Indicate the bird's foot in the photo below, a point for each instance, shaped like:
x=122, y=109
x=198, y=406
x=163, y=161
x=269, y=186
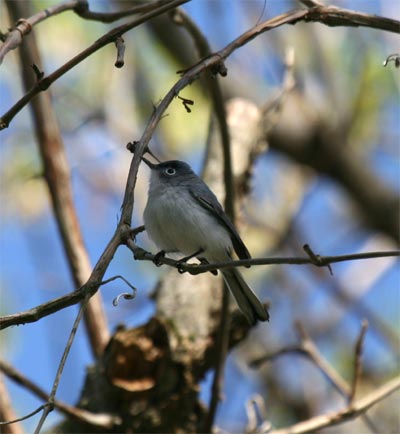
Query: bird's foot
x=185, y=259
x=157, y=257
x=205, y=262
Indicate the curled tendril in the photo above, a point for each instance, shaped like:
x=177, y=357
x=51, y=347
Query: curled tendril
x=125, y=296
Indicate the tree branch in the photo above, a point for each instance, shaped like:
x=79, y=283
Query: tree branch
x=58, y=179
x=106, y=39
x=307, y=348
x=100, y=420
x=327, y=15
x=7, y=411
x=49, y=406
x=81, y=7
x=359, y=407
x=333, y=16
x=24, y=25
x=53, y=306
x=323, y=261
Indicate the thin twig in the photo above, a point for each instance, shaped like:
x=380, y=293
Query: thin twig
x=106, y=39
x=100, y=420
x=120, y=44
x=327, y=15
x=108, y=17
x=307, y=348
x=50, y=401
x=81, y=7
x=204, y=50
x=328, y=420
x=24, y=25
x=357, y=361
x=222, y=351
x=27, y=416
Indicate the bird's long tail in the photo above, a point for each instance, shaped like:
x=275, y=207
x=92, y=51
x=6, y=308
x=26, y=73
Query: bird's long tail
x=247, y=301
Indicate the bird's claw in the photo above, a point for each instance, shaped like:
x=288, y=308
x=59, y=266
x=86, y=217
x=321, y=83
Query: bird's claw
x=179, y=266
x=157, y=257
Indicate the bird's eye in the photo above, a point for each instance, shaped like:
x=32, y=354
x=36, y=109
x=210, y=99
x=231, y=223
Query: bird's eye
x=170, y=171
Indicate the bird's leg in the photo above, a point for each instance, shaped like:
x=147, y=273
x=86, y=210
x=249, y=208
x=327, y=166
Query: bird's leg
x=157, y=256
x=186, y=258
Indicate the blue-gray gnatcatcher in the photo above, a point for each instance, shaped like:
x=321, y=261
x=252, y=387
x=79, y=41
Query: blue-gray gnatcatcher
x=183, y=215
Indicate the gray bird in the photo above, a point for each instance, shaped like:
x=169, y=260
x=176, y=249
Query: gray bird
x=183, y=215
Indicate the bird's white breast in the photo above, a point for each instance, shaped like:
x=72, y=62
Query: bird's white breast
x=176, y=222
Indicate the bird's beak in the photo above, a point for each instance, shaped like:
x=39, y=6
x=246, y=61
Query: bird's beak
x=149, y=163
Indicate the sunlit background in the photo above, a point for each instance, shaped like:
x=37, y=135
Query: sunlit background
x=339, y=72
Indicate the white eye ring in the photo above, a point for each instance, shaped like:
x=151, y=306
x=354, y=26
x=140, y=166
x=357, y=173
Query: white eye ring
x=170, y=171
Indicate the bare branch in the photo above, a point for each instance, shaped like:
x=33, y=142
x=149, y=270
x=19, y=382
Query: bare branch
x=7, y=412
x=100, y=420
x=222, y=351
x=333, y=16
x=24, y=25
x=82, y=9
x=48, y=408
x=359, y=407
x=143, y=255
x=308, y=348
x=357, y=360
x=53, y=306
x=204, y=50
x=106, y=39
x=27, y=416
x=48, y=308
x=330, y=16
x=120, y=44
x=58, y=179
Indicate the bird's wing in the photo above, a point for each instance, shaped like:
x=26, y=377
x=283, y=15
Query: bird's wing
x=214, y=207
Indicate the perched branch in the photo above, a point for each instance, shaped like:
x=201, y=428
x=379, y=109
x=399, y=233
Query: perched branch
x=323, y=261
x=90, y=287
